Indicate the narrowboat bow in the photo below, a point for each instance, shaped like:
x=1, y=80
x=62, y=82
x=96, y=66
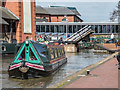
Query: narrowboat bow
x=34, y=59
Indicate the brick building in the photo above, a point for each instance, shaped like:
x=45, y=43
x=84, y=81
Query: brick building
x=25, y=22
x=57, y=14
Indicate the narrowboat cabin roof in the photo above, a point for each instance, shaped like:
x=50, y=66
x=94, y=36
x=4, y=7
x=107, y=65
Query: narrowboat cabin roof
x=38, y=50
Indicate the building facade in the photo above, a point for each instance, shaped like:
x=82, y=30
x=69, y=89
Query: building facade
x=99, y=28
x=26, y=23
x=57, y=14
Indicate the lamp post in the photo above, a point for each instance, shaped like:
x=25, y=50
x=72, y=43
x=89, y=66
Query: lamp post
x=66, y=27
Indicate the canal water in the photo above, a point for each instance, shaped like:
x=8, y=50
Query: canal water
x=76, y=62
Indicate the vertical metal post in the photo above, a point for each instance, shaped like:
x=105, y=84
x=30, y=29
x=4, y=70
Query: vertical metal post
x=11, y=29
x=66, y=29
x=72, y=29
x=5, y=32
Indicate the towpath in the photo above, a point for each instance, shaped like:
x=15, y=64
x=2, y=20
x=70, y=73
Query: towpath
x=106, y=75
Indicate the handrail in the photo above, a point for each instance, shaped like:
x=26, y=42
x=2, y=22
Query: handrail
x=79, y=34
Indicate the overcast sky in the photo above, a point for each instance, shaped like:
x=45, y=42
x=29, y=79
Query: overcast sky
x=77, y=0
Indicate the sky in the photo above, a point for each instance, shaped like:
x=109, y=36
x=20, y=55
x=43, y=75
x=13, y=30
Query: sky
x=77, y=0
x=90, y=11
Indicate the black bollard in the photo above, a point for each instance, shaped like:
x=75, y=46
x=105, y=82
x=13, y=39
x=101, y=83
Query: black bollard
x=88, y=72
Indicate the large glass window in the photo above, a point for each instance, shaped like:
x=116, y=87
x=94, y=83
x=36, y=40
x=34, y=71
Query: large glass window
x=100, y=29
x=61, y=29
x=42, y=28
x=52, y=28
x=112, y=28
x=74, y=28
x=119, y=29
x=47, y=28
x=56, y=28
x=79, y=27
x=70, y=29
x=83, y=26
x=96, y=28
x=108, y=29
x=64, y=28
x=104, y=29
x=37, y=28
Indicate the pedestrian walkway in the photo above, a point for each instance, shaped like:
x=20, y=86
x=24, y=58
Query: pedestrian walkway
x=110, y=46
x=104, y=76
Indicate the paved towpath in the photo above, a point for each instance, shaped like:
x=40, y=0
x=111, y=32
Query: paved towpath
x=106, y=75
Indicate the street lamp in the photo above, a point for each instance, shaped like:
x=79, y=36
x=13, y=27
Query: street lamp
x=66, y=21
x=66, y=27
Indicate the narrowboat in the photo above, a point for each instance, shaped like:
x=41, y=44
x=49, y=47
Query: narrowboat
x=34, y=59
x=7, y=48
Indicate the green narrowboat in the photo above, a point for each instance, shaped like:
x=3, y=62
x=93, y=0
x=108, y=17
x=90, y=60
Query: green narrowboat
x=34, y=59
x=7, y=48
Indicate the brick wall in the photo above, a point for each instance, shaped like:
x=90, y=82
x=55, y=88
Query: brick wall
x=42, y=16
x=58, y=18
x=17, y=9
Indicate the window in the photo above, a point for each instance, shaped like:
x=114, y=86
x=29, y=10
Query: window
x=31, y=55
x=70, y=29
x=42, y=28
x=22, y=55
x=37, y=28
x=59, y=54
x=52, y=28
x=52, y=53
x=56, y=54
x=63, y=52
x=47, y=28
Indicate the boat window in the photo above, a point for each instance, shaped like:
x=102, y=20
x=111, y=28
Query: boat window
x=31, y=55
x=3, y=48
x=56, y=54
x=59, y=52
x=22, y=55
x=52, y=53
x=63, y=52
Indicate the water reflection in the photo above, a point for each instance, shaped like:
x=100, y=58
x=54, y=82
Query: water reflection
x=76, y=61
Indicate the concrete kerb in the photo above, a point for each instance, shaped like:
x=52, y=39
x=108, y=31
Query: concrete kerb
x=74, y=76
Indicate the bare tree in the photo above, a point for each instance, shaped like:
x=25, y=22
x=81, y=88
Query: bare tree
x=119, y=12
x=116, y=14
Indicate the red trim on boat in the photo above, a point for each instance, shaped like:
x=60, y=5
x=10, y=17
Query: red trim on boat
x=35, y=66
x=59, y=59
x=15, y=66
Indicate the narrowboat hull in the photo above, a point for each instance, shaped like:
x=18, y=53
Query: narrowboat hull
x=34, y=59
x=7, y=48
x=30, y=70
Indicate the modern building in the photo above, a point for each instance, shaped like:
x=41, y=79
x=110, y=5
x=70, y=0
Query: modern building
x=20, y=18
x=57, y=14
x=99, y=28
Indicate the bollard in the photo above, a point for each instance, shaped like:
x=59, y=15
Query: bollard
x=88, y=72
